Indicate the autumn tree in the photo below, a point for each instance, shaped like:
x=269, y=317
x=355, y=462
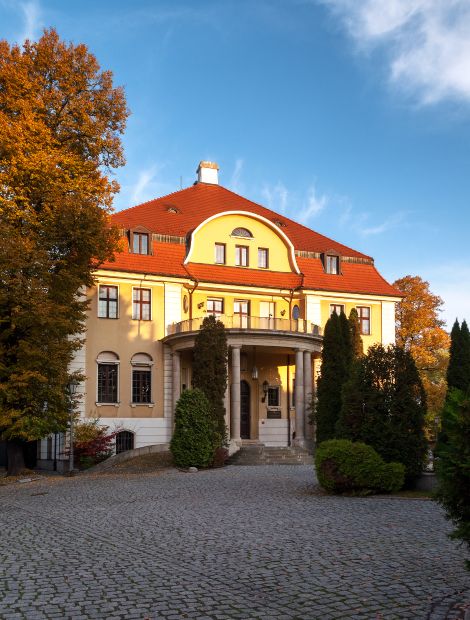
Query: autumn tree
x=210, y=356
x=420, y=331
x=60, y=125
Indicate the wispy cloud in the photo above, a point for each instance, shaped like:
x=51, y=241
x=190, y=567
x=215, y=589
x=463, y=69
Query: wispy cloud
x=315, y=205
x=427, y=42
x=391, y=222
x=32, y=20
x=235, y=184
x=276, y=196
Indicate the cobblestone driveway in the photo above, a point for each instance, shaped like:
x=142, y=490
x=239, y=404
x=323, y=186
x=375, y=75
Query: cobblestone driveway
x=242, y=542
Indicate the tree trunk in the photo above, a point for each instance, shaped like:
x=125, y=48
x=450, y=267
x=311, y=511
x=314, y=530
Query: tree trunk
x=15, y=458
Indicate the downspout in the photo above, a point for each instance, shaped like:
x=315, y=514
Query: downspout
x=191, y=291
x=288, y=401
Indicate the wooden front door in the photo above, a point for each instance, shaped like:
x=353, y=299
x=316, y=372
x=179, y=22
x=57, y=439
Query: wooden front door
x=244, y=410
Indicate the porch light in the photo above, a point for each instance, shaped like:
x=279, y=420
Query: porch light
x=254, y=373
x=200, y=305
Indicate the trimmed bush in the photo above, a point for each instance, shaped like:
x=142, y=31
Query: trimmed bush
x=195, y=438
x=347, y=467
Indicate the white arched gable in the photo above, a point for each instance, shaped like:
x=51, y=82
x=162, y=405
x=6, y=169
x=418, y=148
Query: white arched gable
x=255, y=216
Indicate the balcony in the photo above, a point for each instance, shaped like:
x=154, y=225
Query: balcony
x=250, y=324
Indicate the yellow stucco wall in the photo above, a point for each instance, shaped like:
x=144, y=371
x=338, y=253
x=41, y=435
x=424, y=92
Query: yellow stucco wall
x=219, y=230
x=375, y=335
x=125, y=337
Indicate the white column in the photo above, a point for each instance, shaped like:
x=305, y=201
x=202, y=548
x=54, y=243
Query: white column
x=307, y=389
x=235, y=400
x=299, y=396
x=176, y=378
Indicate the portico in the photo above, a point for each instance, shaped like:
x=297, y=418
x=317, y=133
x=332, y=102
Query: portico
x=269, y=382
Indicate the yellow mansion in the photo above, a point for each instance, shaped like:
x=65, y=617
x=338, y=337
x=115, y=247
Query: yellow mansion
x=271, y=281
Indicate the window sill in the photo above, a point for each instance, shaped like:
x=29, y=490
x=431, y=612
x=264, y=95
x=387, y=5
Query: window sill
x=107, y=404
x=142, y=404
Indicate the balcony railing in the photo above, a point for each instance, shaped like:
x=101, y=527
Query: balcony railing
x=237, y=321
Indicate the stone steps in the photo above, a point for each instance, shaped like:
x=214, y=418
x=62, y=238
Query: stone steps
x=262, y=455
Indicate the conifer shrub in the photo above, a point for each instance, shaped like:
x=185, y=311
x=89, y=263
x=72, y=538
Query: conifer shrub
x=195, y=438
x=347, y=467
x=384, y=406
x=453, y=464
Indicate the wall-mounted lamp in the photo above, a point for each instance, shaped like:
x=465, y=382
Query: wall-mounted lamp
x=283, y=312
x=265, y=390
x=200, y=305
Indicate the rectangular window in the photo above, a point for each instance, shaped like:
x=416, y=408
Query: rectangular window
x=215, y=306
x=364, y=319
x=107, y=383
x=141, y=386
x=274, y=397
x=263, y=258
x=140, y=243
x=338, y=308
x=108, y=302
x=220, y=253
x=141, y=304
x=332, y=264
x=241, y=255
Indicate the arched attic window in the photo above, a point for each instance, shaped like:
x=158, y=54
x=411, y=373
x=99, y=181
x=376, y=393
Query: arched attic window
x=242, y=232
x=331, y=262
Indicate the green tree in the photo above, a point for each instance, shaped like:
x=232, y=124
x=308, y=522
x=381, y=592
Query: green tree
x=210, y=369
x=453, y=466
x=60, y=125
x=384, y=405
x=335, y=369
x=458, y=371
x=192, y=444
x=355, y=329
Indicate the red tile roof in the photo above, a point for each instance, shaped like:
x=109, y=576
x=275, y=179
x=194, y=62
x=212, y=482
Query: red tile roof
x=354, y=278
x=195, y=204
x=198, y=202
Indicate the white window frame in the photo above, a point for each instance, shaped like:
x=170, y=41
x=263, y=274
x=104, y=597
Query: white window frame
x=265, y=252
x=224, y=247
x=117, y=362
x=148, y=367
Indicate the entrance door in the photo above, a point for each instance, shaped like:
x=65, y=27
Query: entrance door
x=244, y=410
x=241, y=311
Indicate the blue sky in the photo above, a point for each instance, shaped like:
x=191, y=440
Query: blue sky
x=351, y=116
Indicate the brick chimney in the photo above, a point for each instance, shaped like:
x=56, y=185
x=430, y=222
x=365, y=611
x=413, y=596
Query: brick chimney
x=208, y=172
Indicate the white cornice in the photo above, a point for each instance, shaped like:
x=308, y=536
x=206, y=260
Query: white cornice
x=255, y=216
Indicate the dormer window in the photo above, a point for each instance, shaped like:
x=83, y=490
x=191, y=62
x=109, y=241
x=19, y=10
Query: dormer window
x=242, y=232
x=140, y=241
x=332, y=263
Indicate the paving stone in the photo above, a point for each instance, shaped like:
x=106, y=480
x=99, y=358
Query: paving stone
x=233, y=543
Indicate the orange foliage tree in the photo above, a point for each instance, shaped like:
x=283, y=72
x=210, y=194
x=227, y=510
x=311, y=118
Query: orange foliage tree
x=61, y=120
x=420, y=331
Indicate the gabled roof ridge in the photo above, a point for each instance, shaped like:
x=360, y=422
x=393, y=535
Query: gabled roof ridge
x=146, y=202
x=288, y=219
